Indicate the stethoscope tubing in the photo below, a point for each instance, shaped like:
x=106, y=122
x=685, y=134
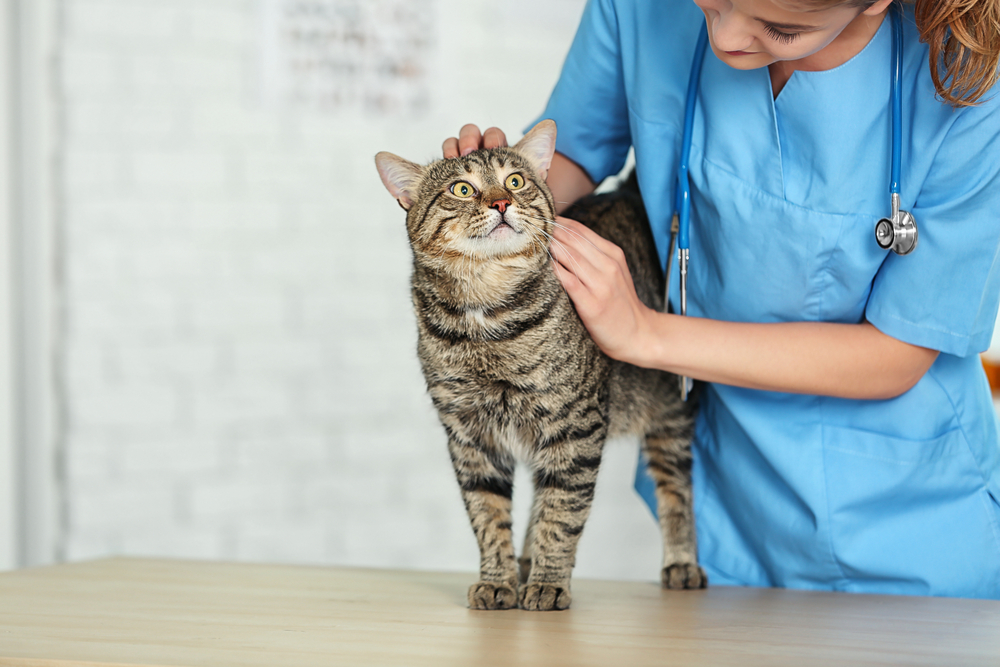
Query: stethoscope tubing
x=682, y=202
x=681, y=220
x=896, y=96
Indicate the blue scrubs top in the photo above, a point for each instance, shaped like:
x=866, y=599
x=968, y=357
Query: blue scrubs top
x=887, y=496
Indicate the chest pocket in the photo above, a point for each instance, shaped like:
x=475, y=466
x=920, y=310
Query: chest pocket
x=757, y=257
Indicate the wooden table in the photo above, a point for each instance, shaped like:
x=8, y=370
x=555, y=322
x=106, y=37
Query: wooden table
x=158, y=612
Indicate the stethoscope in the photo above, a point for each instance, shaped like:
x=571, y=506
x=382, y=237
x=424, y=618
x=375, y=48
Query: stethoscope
x=897, y=232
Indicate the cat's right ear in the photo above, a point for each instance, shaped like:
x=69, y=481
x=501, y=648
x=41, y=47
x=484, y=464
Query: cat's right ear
x=538, y=145
x=400, y=177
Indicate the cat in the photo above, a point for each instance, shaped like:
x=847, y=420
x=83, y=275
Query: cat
x=514, y=374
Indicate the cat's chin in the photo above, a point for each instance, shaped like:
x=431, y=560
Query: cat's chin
x=501, y=242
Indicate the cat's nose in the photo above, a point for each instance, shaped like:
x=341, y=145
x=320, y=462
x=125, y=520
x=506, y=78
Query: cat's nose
x=501, y=205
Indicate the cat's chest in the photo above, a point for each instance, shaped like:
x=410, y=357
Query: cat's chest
x=477, y=320
x=484, y=361
x=513, y=346
x=524, y=370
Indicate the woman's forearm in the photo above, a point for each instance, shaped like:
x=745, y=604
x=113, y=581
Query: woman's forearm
x=567, y=181
x=844, y=360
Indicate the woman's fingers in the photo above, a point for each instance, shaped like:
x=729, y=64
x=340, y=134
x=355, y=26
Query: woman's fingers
x=494, y=138
x=590, y=255
x=450, y=148
x=581, y=236
x=565, y=249
x=594, y=273
x=469, y=139
x=564, y=258
x=569, y=281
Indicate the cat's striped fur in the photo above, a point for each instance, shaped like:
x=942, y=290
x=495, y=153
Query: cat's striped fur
x=514, y=374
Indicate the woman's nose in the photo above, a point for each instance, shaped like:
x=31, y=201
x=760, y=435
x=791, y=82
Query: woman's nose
x=729, y=33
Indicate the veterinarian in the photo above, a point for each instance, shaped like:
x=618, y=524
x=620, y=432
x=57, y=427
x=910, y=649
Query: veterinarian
x=846, y=438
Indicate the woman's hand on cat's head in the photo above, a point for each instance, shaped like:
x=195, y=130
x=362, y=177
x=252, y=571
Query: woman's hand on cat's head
x=471, y=139
x=594, y=273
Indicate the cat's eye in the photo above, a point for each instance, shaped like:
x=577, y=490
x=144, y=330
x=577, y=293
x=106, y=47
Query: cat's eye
x=514, y=182
x=463, y=190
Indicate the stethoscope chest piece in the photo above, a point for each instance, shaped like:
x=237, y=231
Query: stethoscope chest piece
x=898, y=233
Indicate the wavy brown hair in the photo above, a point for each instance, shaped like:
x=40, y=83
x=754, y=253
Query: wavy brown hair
x=964, y=41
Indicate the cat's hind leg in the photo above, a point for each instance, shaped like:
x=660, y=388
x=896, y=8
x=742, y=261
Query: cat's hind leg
x=486, y=480
x=669, y=463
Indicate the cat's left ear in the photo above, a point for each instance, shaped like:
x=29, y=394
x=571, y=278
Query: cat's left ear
x=400, y=177
x=538, y=146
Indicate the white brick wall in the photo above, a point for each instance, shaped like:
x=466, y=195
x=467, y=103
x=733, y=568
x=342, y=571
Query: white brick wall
x=240, y=375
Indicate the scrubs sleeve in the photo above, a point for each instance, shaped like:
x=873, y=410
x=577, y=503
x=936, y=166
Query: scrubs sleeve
x=944, y=295
x=589, y=104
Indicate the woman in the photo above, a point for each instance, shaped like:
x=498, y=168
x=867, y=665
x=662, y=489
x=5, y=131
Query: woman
x=846, y=438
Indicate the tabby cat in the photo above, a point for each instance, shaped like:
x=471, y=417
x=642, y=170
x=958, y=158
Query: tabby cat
x=514, y=374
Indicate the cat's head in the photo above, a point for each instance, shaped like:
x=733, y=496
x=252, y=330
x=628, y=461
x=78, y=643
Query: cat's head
x=487, y=205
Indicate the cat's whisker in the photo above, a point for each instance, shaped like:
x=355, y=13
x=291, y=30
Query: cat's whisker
x=575, y=233
x=539, y=237
x=544, y=241
x=547, y=247
x=538, y=228
x=572, y=258
x=555, y=223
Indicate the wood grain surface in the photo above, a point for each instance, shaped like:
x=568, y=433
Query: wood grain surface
x=157, y=612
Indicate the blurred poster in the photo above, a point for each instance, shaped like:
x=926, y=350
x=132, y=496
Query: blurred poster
x=360, y=55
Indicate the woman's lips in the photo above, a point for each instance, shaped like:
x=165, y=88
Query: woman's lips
x=739, y=53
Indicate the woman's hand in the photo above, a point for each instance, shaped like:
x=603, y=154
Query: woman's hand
x=594, y=273
x=470, y=139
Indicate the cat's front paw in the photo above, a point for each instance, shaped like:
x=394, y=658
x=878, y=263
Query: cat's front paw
x=544, y=597
x=492, y=595
x=684, y=575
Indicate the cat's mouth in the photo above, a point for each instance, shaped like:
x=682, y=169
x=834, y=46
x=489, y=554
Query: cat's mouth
x=500, y=230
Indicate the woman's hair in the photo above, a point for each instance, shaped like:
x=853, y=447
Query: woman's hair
x=964, y=40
